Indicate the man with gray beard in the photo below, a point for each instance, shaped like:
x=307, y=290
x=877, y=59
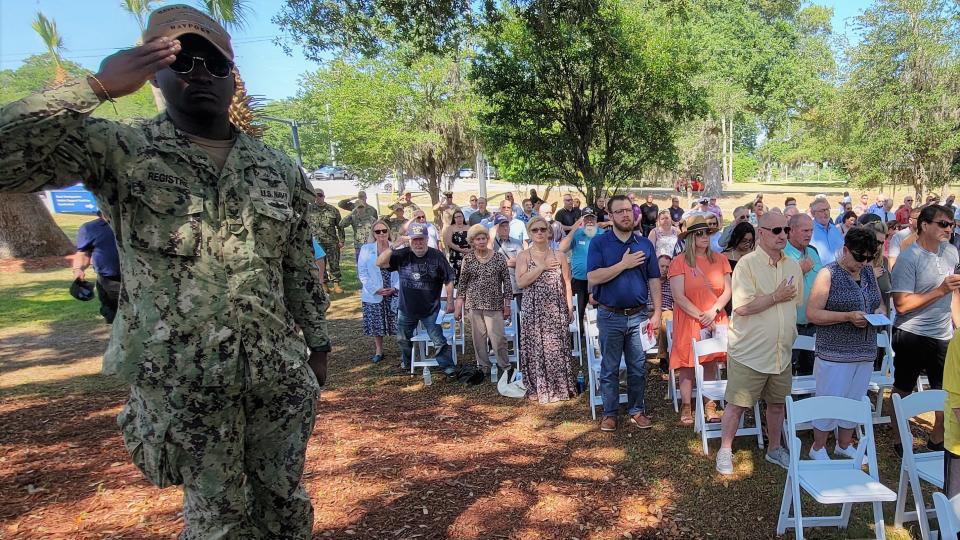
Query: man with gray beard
x=424, y=274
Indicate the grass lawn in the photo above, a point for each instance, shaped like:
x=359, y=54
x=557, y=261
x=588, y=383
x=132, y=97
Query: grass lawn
x=388, y=458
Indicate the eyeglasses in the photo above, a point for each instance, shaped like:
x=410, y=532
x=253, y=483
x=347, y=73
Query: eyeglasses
x=778, y=230
x=321, y=195
x=862, y=257
x=536, y=230
x=701, y=233
x=216, y=67
x=944, y=224
x=746, y=241
x=421, y=217
x=622, y=211
x=380, y=231
x=743, y=218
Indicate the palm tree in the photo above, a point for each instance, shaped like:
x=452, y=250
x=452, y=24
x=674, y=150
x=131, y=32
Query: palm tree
x=140, y=9
x=47, y=30
x=245, y=109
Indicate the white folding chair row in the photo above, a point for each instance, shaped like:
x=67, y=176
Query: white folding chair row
x=948, y=515
x=914, y=467
x=594, y=360
x=576, y=333
x=715, y=391
x=880, y=380
x=837, y=481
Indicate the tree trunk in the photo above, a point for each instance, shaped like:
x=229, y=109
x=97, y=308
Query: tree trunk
x=27, y=229
x=712, y=174
x=723, y=148
x=730, y=153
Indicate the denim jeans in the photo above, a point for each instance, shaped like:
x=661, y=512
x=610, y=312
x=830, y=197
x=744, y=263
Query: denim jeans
x=407, y=327
x=620, y=335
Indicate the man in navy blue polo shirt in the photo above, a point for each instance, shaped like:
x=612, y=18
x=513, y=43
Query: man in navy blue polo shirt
x=96, y=243
x=622, y=269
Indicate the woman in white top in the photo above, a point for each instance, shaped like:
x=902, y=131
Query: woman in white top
x=379, y=288
x=664, y=235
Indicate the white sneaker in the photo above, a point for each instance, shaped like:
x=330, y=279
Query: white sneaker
x=849, y=453
x=725, y=461
x=819, y=455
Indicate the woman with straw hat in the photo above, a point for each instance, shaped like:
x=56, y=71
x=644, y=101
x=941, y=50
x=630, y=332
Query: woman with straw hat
x=701, y=285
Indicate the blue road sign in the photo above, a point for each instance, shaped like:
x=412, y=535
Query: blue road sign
x=73, y=200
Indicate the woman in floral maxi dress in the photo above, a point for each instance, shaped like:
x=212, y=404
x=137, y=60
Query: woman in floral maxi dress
x=545, y=309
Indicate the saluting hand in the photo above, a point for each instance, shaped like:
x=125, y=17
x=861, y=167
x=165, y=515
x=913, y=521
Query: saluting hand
x=125, y=72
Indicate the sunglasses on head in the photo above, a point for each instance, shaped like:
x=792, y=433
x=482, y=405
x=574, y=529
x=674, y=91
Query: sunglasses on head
x=862, y=257
x=221, y=68
x=778, y=230
x=380, y=231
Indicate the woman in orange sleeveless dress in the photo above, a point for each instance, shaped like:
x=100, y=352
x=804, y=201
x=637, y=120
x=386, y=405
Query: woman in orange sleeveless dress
x=701, y=285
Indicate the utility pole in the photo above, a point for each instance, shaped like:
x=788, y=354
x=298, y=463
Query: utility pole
x=294, y=133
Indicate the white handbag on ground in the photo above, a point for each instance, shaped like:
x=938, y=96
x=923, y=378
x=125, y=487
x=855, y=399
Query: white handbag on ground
x=515, y=389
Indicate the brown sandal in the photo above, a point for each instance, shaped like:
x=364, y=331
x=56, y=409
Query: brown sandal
x=686, y=414
x=710, y=411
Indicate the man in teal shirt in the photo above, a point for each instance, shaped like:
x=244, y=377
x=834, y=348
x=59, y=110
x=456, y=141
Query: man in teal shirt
x=799, y=249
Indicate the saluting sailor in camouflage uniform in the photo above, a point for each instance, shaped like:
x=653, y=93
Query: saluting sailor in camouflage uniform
x=361, y=219
x=324, y=221
x=217, y=271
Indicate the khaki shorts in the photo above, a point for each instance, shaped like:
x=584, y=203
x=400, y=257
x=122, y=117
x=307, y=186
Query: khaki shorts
x=746, y=385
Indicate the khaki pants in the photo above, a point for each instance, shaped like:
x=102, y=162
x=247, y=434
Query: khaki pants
x=488, y=324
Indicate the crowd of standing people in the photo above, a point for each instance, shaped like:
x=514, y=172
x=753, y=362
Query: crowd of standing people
x=762, y=279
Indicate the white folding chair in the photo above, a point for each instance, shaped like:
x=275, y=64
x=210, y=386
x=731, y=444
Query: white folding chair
x=673, y=387
x=513, y=341
x=423, y=344
x=594, y=360
x=926, y=466
x=576, y=334
x=804, y=385
x=882, y=379
x=715, y=390
x=948, y=515
x=837, y=481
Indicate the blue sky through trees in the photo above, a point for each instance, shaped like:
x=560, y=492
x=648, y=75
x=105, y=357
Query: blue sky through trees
x=93, y=29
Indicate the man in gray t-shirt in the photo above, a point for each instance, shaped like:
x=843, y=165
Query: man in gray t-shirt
x=924, y=284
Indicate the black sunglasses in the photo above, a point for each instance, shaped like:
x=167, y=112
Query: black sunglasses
x=944, y=224
x=862, y=257
x=701, y=233
x=778, y=230
x=216, y=67
x=380, y=231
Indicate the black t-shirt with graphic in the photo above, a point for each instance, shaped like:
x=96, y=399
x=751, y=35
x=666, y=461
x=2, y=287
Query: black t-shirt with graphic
x=421, y=280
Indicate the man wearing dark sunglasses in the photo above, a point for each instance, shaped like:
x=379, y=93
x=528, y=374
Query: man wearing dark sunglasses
x=217, y=270
x=924, y=284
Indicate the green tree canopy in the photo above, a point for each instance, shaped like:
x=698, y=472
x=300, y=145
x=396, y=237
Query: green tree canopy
x=390, y=114
x=586, y=92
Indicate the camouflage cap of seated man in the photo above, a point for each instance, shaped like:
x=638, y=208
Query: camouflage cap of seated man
x=178, y=19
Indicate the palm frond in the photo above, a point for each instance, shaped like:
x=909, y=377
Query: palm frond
x=140, y=9
x=230, y=13
x=47, y=30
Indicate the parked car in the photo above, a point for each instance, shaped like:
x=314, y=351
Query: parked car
x=329, y=173
x=465, y=173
